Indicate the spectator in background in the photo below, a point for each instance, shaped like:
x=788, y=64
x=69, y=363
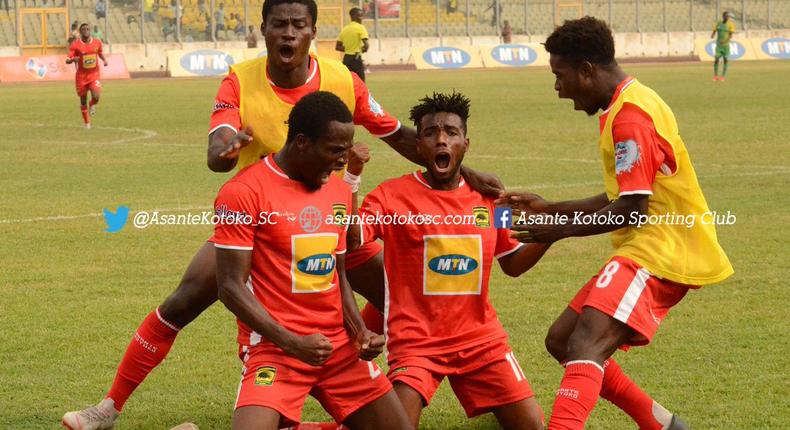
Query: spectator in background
x=452, y=6
x=239, y=28
x=252, y=39
x=507, y=33
x=353, y=41
x=148, y=11
x=100, y=9
x=97, y=34
x=231, y=22
x=219, y=20
x=494, y=14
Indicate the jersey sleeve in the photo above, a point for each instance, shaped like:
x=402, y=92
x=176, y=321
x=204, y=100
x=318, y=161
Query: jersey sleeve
x=369, y=113
x=639, y=151
x=73, y=50
x=226, y=105
x=363, y=32
x=731, y=26
x=99, y=47
x=372, y=209
x=236, y=215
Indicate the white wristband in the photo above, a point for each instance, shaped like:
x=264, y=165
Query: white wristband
x=352, y=180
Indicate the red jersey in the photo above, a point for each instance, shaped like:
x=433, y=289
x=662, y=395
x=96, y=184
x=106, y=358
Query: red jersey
x=638, y=162
x=367, y=112
x=294, y=247
x=436, y=298
x=87, y=59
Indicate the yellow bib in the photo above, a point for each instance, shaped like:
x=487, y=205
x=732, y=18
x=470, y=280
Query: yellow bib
x=672, y=251
x=261, y=108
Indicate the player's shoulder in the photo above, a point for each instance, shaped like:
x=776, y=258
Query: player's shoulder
x=248, y=64
x=252, y=176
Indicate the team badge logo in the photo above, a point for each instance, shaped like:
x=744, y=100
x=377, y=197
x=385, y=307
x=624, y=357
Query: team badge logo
x=310, y=219
x=265, y=375
x=482, y=216
x=626, y=155
x=339, y=213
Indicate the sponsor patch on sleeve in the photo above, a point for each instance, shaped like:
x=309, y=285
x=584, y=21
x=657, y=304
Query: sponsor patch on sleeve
x=626, y=156
x=375, y=107
x=224, y=106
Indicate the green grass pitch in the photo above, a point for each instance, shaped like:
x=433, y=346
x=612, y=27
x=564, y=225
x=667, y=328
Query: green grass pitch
x=73, y=294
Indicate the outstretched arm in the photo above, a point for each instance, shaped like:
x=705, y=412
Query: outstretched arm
x=619, y=213
x=224, y=145
x=518, y=262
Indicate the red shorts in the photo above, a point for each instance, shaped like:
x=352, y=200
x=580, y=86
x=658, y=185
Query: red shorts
x=628, y=293
x=361, y=255
x=84, y=86
x=483, y=377
x=342, y=385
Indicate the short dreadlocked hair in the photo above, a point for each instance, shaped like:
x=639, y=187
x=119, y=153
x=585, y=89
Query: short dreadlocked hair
x=583, y=39
x=455, y=102
x=312, y=114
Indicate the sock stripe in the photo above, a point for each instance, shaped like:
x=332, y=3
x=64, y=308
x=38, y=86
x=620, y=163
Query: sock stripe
x=165, y=322
x=585, y=362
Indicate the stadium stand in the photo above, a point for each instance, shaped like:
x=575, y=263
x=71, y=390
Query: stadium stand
x=418, y=18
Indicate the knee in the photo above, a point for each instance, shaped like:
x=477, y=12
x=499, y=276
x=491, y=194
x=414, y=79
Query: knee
x=556, y=345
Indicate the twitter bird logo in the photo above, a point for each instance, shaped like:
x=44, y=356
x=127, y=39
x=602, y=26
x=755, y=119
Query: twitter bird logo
x=116, y=221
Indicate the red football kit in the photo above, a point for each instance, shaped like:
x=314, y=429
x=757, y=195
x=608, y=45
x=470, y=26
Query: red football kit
x=620, y=278
x=367, y=113
x=87, y=60
x=438, y=318
x=294, y=245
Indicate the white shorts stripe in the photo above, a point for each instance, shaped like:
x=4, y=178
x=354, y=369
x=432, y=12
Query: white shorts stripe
x=513, y=365
x=631, y=296
x=520, y=370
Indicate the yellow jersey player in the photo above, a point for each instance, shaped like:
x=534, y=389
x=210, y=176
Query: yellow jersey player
x=647, y=173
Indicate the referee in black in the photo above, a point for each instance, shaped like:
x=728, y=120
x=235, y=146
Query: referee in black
x=352, y=42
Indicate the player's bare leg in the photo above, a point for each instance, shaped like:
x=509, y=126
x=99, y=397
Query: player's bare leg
x=84, y=110
x=522, y=415
x=617, y=387
x=95, y=95
x=158, y=331
x=256, y=418
x=411, y=401
x=384, y=413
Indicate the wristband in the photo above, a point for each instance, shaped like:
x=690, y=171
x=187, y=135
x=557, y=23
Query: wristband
x=352, y=180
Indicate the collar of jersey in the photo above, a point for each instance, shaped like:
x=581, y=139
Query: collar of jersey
x=269, y=161
x=312, y=68
x=620, y=88
x=418, y=176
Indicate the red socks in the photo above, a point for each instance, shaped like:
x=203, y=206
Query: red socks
x=318, y=426
x=577, y=395
x=149, y=346
x=85, y=117
x=374, y=320
x=619, y=389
